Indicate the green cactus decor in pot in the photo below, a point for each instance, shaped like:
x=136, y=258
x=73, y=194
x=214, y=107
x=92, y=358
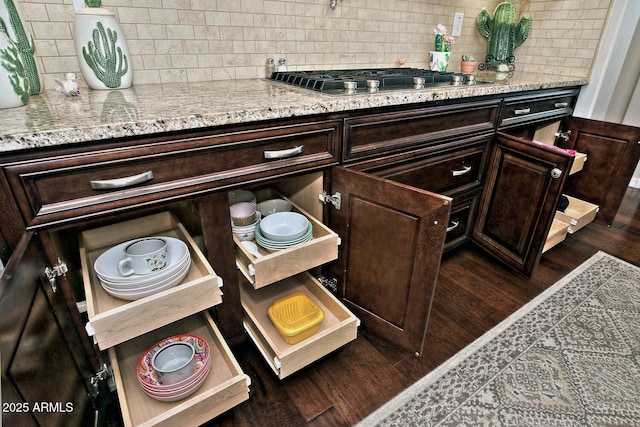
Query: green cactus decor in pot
x=14, y=84
x=101, y=48
x=502, y=32
x=11, y=25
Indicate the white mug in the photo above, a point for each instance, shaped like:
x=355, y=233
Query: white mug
x=144, y=256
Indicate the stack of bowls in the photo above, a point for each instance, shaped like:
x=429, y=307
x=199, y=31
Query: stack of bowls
x=169, y=374
x=238, y=196
x=283, y=230
x=136, y=286
x=244, y=220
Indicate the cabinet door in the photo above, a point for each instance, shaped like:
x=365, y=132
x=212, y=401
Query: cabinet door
x=613, y=151
x=523, y=185
x=392, y=238
x=43, y=365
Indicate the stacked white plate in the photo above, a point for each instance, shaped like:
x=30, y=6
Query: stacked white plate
x=172, y=392
x=137, y=286
x=283, y=230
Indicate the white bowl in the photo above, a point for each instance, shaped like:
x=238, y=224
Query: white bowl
x=284, y=226
x=105, y=265
x=242, y=213
x=237, y=196
x=174, y=362
x=272, y=206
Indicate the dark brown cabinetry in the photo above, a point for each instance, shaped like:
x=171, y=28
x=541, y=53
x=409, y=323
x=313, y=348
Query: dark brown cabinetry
x=613, y=151
x=525, y=179
x=46, y=374
x=411, y=181
x=522, y=188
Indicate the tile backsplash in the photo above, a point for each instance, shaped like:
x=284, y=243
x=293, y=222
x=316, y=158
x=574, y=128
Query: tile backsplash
x=204, y=40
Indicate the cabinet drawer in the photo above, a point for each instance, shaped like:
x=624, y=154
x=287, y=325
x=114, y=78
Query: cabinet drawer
x=453, y=171
x=95, y=182
x=578, y=214
x=226, y=385
x=524, y=109
x=338, y=328
x=273, y=266
x=392, y=132
x=460, y=221
x=113, y=320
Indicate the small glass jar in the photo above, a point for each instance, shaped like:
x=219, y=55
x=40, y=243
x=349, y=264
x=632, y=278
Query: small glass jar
x=270, y=67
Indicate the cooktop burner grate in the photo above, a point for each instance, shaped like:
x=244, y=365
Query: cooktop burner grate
x=341, y=81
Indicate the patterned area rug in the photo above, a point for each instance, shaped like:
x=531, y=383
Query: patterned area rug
x=571, y=357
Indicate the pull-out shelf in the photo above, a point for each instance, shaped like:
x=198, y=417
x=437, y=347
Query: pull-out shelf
x=113, y=320
x=338, y=328
x=273, y=266
x=225, y=386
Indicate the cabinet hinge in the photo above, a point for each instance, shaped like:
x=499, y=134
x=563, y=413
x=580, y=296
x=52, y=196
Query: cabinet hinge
x=102, y=375
x=335, y=200
x=52, y=273
x=331, y=284
x=564, y=135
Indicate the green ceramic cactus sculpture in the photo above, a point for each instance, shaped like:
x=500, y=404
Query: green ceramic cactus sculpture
x=502, y=32
x=105, y=59
x=10, y=60
x=25, y=46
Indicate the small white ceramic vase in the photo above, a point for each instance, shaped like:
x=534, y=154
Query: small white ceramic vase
x=101, y=49
x=439, y=61
x=14, y=86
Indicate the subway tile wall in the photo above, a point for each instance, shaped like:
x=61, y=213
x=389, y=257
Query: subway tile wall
x=204, y=40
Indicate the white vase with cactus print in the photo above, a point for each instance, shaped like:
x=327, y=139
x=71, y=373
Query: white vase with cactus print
x=14, y=85
x=12, y=25
x=101, y=49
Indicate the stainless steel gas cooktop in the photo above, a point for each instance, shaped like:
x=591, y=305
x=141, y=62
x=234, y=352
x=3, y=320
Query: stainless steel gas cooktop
x=347, y=82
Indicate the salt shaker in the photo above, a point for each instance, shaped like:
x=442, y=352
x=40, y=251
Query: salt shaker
x=282, y=64
x=271, y=67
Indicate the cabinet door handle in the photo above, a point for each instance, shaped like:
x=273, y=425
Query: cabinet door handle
x=522, y=111
x=561, y=104
x=453, y=226
x=283, y=154
x=126, y=181
x=556, y=173
x=463, y=171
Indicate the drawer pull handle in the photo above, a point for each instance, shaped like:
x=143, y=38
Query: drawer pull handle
x=561, y=104
x=283, y=154
x=453, y=226
x=522, y=111
x=127, y=181
x=463, y=171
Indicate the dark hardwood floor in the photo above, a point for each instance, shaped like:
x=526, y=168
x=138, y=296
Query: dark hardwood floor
x=473, y=294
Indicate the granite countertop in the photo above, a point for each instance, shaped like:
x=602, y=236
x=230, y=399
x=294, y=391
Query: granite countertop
x=51, y=118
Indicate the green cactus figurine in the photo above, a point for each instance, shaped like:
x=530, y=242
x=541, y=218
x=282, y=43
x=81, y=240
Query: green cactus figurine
x=105, y=59
x=502, y=33
x=25, y=46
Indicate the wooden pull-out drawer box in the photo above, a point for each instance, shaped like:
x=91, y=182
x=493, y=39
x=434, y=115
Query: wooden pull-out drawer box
x=113, y=320
x=557, y=234
x=271, y=267
x=225, y=386
x=338, y=328
x=578, y=214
